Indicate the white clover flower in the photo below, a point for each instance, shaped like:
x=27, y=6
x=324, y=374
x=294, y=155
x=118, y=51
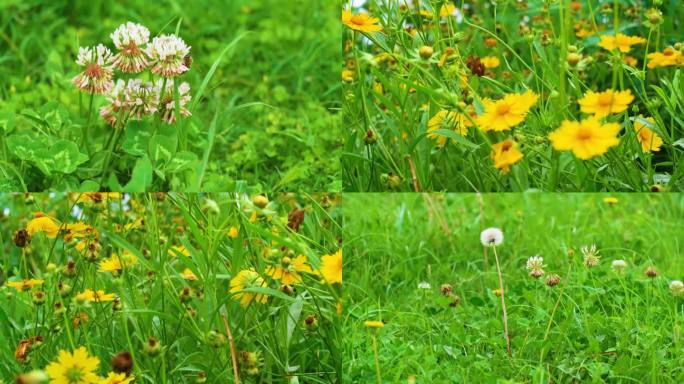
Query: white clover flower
x=591, y=257
x=97, y=75
x=424, y=285
x=491, y=237
x=141, y=98
x=677, y=287
x=168, y=103
x=619, y=265
x=129, y=38
x=116, y=102
x=535, y=265
x=167, y=54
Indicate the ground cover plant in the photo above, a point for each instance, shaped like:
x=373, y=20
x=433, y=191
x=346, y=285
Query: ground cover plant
x=144, y=96
x=178, y=288
x=556, y=95
x=591, y=286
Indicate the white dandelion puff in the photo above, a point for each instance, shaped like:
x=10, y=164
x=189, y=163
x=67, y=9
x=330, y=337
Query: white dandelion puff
x=491, y=237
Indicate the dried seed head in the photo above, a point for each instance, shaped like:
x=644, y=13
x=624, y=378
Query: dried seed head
x=122, y=362
x=651, y=272
x=21, y=238
x=446, y=289
x=552, y=280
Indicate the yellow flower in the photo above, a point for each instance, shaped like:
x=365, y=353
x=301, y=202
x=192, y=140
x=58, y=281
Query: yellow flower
x=99, y=197
x=667, y=58
x=76, y=368
x=24, y=285
x=505, y=154
x=490, y=61
x=233, y=232
x=506, y=113
x=331, y=267
x=98, y=297
x=347, y=76
x=602, y=104
x=42, y=223
x=116, y=263
x=497, y=292
x=631, y=61
x=373, y=324
x=447, y=120
x=117, y=378
x=188, y=275
x=247, y=278
x=610, y=200
x=360, y=22
x=586, y=139
x=288, y=270
x=620, y=41
x=137, y=223
x=447, y=10
x=649, y=140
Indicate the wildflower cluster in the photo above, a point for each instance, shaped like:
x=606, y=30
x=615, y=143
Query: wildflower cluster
x=133, y=98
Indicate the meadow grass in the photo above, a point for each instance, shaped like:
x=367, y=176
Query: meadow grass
x=262, y=81
x=429, y=56
x=179, y=256
x=596, y=325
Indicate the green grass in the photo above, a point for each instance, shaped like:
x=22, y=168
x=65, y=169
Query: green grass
x=395, y=98
x=150, y=291
x=607, y=328
x=263, y=82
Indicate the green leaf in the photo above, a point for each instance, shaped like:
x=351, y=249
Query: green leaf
x=141, y=179
x=162, y=149
x=456, y=137
x=25, y=147
x=62, y=157
x=136, y=138
x=181, y=161
x=269, y=292
x=7, y=121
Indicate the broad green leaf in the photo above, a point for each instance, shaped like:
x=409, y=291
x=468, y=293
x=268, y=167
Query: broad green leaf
x=136, y=138
x=162, y=149
x=141, y=179
x=181, y=161
x=62, y=157
x=7, y=121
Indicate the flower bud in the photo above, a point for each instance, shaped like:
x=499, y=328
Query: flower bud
x=260, y=201
x=311, y=323
x=152, y=347
x=215, y=339
x=426, y=52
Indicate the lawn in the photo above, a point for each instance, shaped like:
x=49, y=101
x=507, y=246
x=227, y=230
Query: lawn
x=419, y=268
x=260, y=113
x=491, y=96
x=170, y=288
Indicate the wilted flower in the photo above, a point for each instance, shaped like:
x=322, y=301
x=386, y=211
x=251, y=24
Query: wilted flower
x=491, y=237
x=168, y=103
x=591, y=258
x=129, y=38
x=97, y=76
x=535, y=265
x=552, y=280
x=167, y=55
x=677, y=287
x=651, y=272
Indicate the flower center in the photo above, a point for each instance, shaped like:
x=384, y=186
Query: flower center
x=93, y=70
x=502, y=109
x=668, y=51
x=131, y=49
x=74, y=375
x=506, y=146
x=605, y=99
x=357, y=20
x=584, y=134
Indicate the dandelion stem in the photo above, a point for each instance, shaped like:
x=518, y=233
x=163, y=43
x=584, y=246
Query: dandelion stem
x=503, y=303
x=378, y=377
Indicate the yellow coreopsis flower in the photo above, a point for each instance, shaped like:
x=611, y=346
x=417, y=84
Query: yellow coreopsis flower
x=490, y=61
x=98, y=197
x=649, y=140
x=667, y=58
x=116, y=263
x=621, y=42
x=507, y=112
x=233, y=232
x=74, y=368
x=610, y=200
x=331, y=268
x=288, y=272
x=96, y=296
x=586, y=139
x=43, y=223
x=187, y=274
x=602, y=104
x=248, y=278
x=360, y=22
x=24, y=285
x=449, y=120
x=117, y=378
x=373, y=324
x=505, y=154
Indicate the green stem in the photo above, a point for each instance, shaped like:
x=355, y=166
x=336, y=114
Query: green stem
x=378, y=377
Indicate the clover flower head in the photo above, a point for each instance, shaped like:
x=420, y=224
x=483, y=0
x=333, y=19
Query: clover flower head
x=96, y=78
x=167, y=54
x=424, y=285
x=591, y=257
x=535, y=265
x=491, y=237
x=677, y=287
x=116, y=102
x=141, y=98
x=168, y=103
x=619, y=266
x=129, y=38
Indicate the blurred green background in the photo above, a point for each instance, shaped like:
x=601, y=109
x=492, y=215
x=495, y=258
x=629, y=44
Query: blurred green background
x=286, y=64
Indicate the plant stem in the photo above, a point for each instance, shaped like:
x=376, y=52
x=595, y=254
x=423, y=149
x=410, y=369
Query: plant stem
x=503, y=304
x=377, y=360
x=86, y=127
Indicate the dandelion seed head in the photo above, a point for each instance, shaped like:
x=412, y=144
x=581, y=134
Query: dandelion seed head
x=491, y=237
